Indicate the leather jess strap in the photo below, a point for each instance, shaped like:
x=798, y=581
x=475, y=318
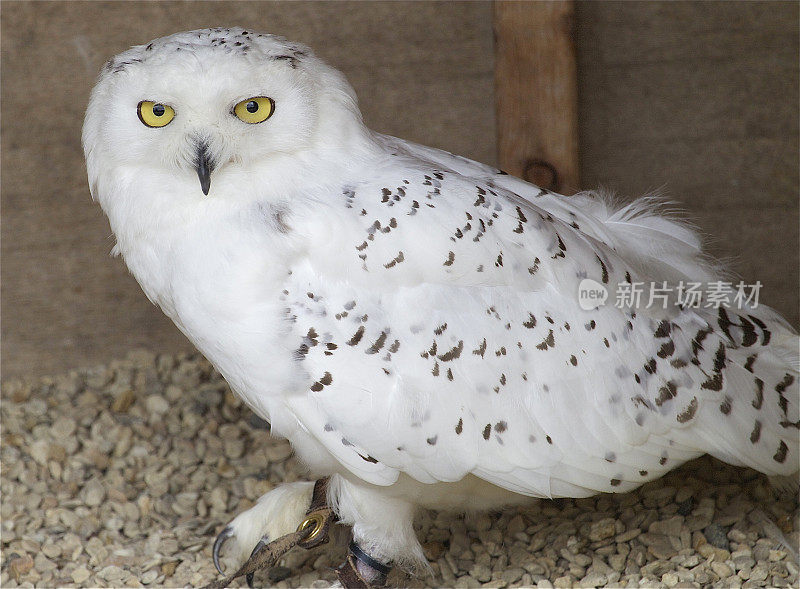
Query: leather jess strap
x=320, y=514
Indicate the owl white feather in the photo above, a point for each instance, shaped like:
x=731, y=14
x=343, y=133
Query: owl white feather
x=407, y=318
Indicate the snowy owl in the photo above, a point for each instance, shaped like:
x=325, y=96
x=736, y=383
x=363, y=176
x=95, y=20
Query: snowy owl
x=426, y=331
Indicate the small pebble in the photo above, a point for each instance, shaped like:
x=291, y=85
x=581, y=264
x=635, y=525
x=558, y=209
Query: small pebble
x=149, y=576
x=516, y=525
x=433, y=550
x=669, y=527
x=93, y=493
x=123, y=401
x=512, y=575
x=717, y=536
x=168, y=568
x=605, y=528
x=670, y=579
x=594, y=580
x=63, y=427
x=156, y=404
x=737, y=536
x=80, y=574
x=19, y=565
x=39, y=451
x=776, y=555
x=721, y=569
x=564, y=582
x=759, y=573
x=111, y=573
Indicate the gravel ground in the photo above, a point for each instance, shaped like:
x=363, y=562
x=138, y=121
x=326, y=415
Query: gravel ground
x=122, y=475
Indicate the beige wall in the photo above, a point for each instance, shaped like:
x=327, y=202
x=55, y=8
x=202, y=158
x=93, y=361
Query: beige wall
x=700, y=97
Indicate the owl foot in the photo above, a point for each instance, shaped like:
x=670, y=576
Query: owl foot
x=274, y=515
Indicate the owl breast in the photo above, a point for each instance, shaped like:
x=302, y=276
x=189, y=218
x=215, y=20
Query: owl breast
x=219, y=278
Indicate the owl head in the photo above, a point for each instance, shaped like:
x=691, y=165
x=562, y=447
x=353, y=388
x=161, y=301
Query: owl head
x=185, y=113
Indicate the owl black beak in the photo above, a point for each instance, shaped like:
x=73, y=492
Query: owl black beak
x=204, y=167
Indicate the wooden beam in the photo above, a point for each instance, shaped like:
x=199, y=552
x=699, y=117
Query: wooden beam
x=536, y=93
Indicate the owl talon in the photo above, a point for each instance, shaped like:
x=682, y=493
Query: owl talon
x=259, y=547
x=218, y=543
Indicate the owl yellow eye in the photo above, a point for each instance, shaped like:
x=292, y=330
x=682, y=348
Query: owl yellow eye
x=155, y=114
x=254, y=110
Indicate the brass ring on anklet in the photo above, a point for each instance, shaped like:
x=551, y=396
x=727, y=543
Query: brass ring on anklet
x=318, y=521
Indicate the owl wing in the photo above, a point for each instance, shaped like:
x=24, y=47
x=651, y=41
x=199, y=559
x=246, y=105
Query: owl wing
x=437, y=316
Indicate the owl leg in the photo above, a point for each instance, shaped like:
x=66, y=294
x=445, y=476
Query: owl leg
x=275, y=514
x=383, y=531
